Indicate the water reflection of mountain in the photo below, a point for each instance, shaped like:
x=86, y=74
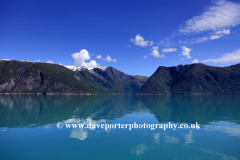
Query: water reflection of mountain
x=191, y=109
x=25, y=110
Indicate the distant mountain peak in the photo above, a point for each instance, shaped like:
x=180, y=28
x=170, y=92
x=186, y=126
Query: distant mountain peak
x=74, y=68
x=4, y=59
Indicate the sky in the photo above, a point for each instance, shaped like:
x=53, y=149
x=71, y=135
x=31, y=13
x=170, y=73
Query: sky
x=133, y=36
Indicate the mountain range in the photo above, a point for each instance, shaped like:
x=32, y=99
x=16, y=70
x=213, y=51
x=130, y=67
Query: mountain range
x=45, y=78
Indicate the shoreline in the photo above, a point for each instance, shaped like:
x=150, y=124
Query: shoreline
x=143, y=94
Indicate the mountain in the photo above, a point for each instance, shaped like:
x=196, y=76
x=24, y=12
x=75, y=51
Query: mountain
x=107, y=80
x=193, y=79
x=35, y=77
x=44, y=78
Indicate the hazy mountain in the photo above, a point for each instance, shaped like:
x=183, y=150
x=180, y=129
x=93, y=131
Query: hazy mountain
x=193, y=79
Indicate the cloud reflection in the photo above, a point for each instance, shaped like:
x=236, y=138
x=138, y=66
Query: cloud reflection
x=188, y=138
x=170, y=139
x=227, y=127
x=140, y=149
x=156, y=137
x=82, y=133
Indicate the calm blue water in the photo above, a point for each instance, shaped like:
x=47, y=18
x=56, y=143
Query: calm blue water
x=28, y=127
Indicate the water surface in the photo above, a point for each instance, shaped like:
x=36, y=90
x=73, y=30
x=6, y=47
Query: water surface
x=28, y=127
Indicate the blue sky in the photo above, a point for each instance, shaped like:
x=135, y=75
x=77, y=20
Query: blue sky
x=132, y=36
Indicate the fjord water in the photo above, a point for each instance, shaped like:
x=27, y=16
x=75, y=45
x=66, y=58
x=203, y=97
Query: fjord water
x=28, y=127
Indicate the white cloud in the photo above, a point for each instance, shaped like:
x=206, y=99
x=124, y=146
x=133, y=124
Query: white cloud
x=81, y=57
x=186, y=52
x=219, y=34
x=151, y=43
x=169, y=49
x=215, y=37
x=199, y=40
x=194, y=40
x=108, y=59
x=99, y=57
x=139, y=41
x=145, y=57
x=226, y=58
x=92, y=64
x=195, y=61
x=49, y=61
x=37, y=60
x=182, y=42
x=129, y=45
x=222, y=14
x=167, y=42
x=224, y=31
x=155, y=53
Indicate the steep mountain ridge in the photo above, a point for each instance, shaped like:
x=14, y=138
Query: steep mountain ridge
x=193, y=79
x=111, y=80
x=34, y=77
